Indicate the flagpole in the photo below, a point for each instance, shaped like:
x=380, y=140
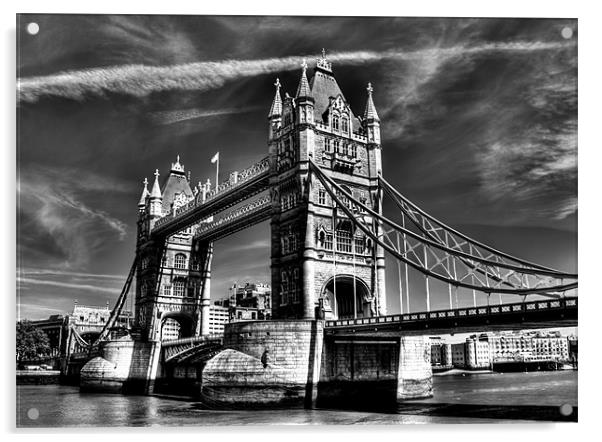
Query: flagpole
x=217, y=172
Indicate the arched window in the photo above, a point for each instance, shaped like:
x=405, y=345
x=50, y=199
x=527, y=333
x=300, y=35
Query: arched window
x=345, y=125
x=322, y=238
x=335, y=122
x=179, y=287
x=180, y=261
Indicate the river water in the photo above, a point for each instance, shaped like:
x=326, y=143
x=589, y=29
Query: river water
x=490, y=397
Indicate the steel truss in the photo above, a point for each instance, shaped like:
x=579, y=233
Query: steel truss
x=443, y=253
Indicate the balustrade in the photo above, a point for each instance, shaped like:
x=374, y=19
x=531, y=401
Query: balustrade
x=236, y=180
x=479, y=311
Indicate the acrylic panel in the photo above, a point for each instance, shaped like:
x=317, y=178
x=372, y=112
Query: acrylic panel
x=283, y=219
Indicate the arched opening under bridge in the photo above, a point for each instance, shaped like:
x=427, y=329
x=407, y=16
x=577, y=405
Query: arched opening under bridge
x=90, y=336
x=338, y=298
x=176, y=325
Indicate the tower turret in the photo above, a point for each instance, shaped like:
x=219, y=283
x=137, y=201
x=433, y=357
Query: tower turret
x=304, y=99
x=145, y=194
x=371, y=119
x=275, y=115
x=155, y=198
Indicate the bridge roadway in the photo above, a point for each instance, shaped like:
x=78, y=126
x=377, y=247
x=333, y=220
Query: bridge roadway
x=519, y=316
x=241, y=218
x=248, y=183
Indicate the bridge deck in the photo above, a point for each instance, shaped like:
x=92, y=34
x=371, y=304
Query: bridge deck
x=518, y=316
x=241, y=218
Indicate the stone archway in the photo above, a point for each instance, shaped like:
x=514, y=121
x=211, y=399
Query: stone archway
x=339, y=304
x=176, y=325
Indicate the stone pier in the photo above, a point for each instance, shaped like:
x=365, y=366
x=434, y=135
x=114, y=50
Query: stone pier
x=363, y=371
x=125, y=366
x=266, y=363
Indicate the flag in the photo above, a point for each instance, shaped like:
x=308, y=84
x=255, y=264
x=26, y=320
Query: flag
x=215, y=158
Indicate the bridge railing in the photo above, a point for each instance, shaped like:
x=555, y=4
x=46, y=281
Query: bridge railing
x=178, y=347
x=190, y=340
x=236, y=180
x=501, y=309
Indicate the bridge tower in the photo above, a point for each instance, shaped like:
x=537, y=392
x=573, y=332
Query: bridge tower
x=169, y=271
x=321, y=265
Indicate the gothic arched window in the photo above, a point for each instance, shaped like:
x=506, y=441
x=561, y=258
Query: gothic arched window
x=345, y=125
x=335, y=122
x=180, y=261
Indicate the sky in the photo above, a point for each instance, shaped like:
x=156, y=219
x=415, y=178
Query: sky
x=478, y=122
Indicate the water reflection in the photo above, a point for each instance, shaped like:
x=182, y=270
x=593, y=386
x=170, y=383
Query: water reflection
x=475, y=398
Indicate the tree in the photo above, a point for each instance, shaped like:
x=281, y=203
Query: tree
x=31, y=341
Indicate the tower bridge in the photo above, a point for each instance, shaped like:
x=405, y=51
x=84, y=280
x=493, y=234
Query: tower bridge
x=322, y=188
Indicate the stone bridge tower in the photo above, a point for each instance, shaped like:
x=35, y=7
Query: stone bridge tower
x=170, y=272
x=321, y=265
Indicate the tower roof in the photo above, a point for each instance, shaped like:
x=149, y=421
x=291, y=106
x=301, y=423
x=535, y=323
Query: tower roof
x=276, y=109
x=156, y=191
x=370, y=112
x=324, y=86
x=176, y=184
x=145, y=193
x=303, y=90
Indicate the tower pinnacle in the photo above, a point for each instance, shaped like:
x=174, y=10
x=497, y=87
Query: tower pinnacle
x=145, y=193
x=156, y=191
x=303, y=90
x=370, y=113
x=324, y=64
x=177, y=166
x=276, y=109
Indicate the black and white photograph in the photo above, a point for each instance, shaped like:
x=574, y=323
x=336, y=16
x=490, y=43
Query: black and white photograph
x=295, y=219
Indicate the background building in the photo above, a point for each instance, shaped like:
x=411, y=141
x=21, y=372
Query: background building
x=249, y=302
x=441, y=352
x=219, y=316
x=528, y=346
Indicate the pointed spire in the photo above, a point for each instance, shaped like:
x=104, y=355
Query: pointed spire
x=156, y=192
x=145, y=193
x=276, y=109
x=303, y=90
x=370, y=113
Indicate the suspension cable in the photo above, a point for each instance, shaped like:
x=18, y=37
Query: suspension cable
x=119, y=304
x=392, y=191
x=425, y=241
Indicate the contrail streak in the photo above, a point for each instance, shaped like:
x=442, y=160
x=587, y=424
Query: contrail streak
x=142, y=80
x=175, y=116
